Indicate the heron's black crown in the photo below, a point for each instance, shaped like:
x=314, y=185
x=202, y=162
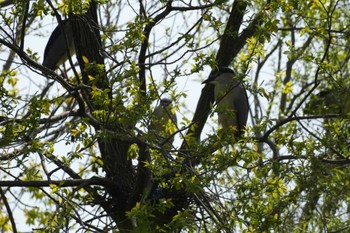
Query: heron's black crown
x=165, y=102
x=215, y=73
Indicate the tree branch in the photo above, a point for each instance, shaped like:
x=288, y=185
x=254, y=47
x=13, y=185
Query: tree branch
x=61, y=183
x=5, y=3
x=142, y=56
x=300, y=51
x=9, y=211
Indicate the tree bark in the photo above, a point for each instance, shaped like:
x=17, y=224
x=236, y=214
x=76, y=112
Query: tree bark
x=114, y=152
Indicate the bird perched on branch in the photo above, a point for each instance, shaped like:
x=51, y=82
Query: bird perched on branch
x=328, y=102
x=59, y=42
x=335, y=134
x=231, y=99
x=164, y=122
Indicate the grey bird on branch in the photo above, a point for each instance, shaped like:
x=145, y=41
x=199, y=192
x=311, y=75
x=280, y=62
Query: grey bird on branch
x=56, y=48
x=231, y=100
x=164, y=122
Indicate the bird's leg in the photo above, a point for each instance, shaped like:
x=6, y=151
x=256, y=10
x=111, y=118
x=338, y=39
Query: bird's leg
x=64, y=71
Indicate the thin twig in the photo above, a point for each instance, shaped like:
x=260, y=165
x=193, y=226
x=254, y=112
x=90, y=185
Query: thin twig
x=9, y=211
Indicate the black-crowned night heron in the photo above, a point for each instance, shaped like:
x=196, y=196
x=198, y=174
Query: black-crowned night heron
x=164, y=122
x=231, y=99
x=56, y=49
x=336, y=129
x=328, y=102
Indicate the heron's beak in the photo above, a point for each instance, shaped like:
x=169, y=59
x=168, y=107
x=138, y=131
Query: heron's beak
x=210, y=79
x=206, y=81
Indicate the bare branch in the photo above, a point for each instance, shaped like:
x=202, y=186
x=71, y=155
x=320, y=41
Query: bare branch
x=142, y=55
x=61, y=183
x=9, y=211
x=5, y=3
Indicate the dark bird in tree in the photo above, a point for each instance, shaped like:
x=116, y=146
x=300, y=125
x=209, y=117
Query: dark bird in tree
x=60, y=42
x=164, y=122
x=231, y=99
x=328, y=102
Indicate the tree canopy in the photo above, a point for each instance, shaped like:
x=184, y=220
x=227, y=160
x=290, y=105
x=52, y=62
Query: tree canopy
x=77, y=150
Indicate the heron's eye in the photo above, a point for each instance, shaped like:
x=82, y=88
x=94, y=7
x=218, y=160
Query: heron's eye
x=214, y=75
